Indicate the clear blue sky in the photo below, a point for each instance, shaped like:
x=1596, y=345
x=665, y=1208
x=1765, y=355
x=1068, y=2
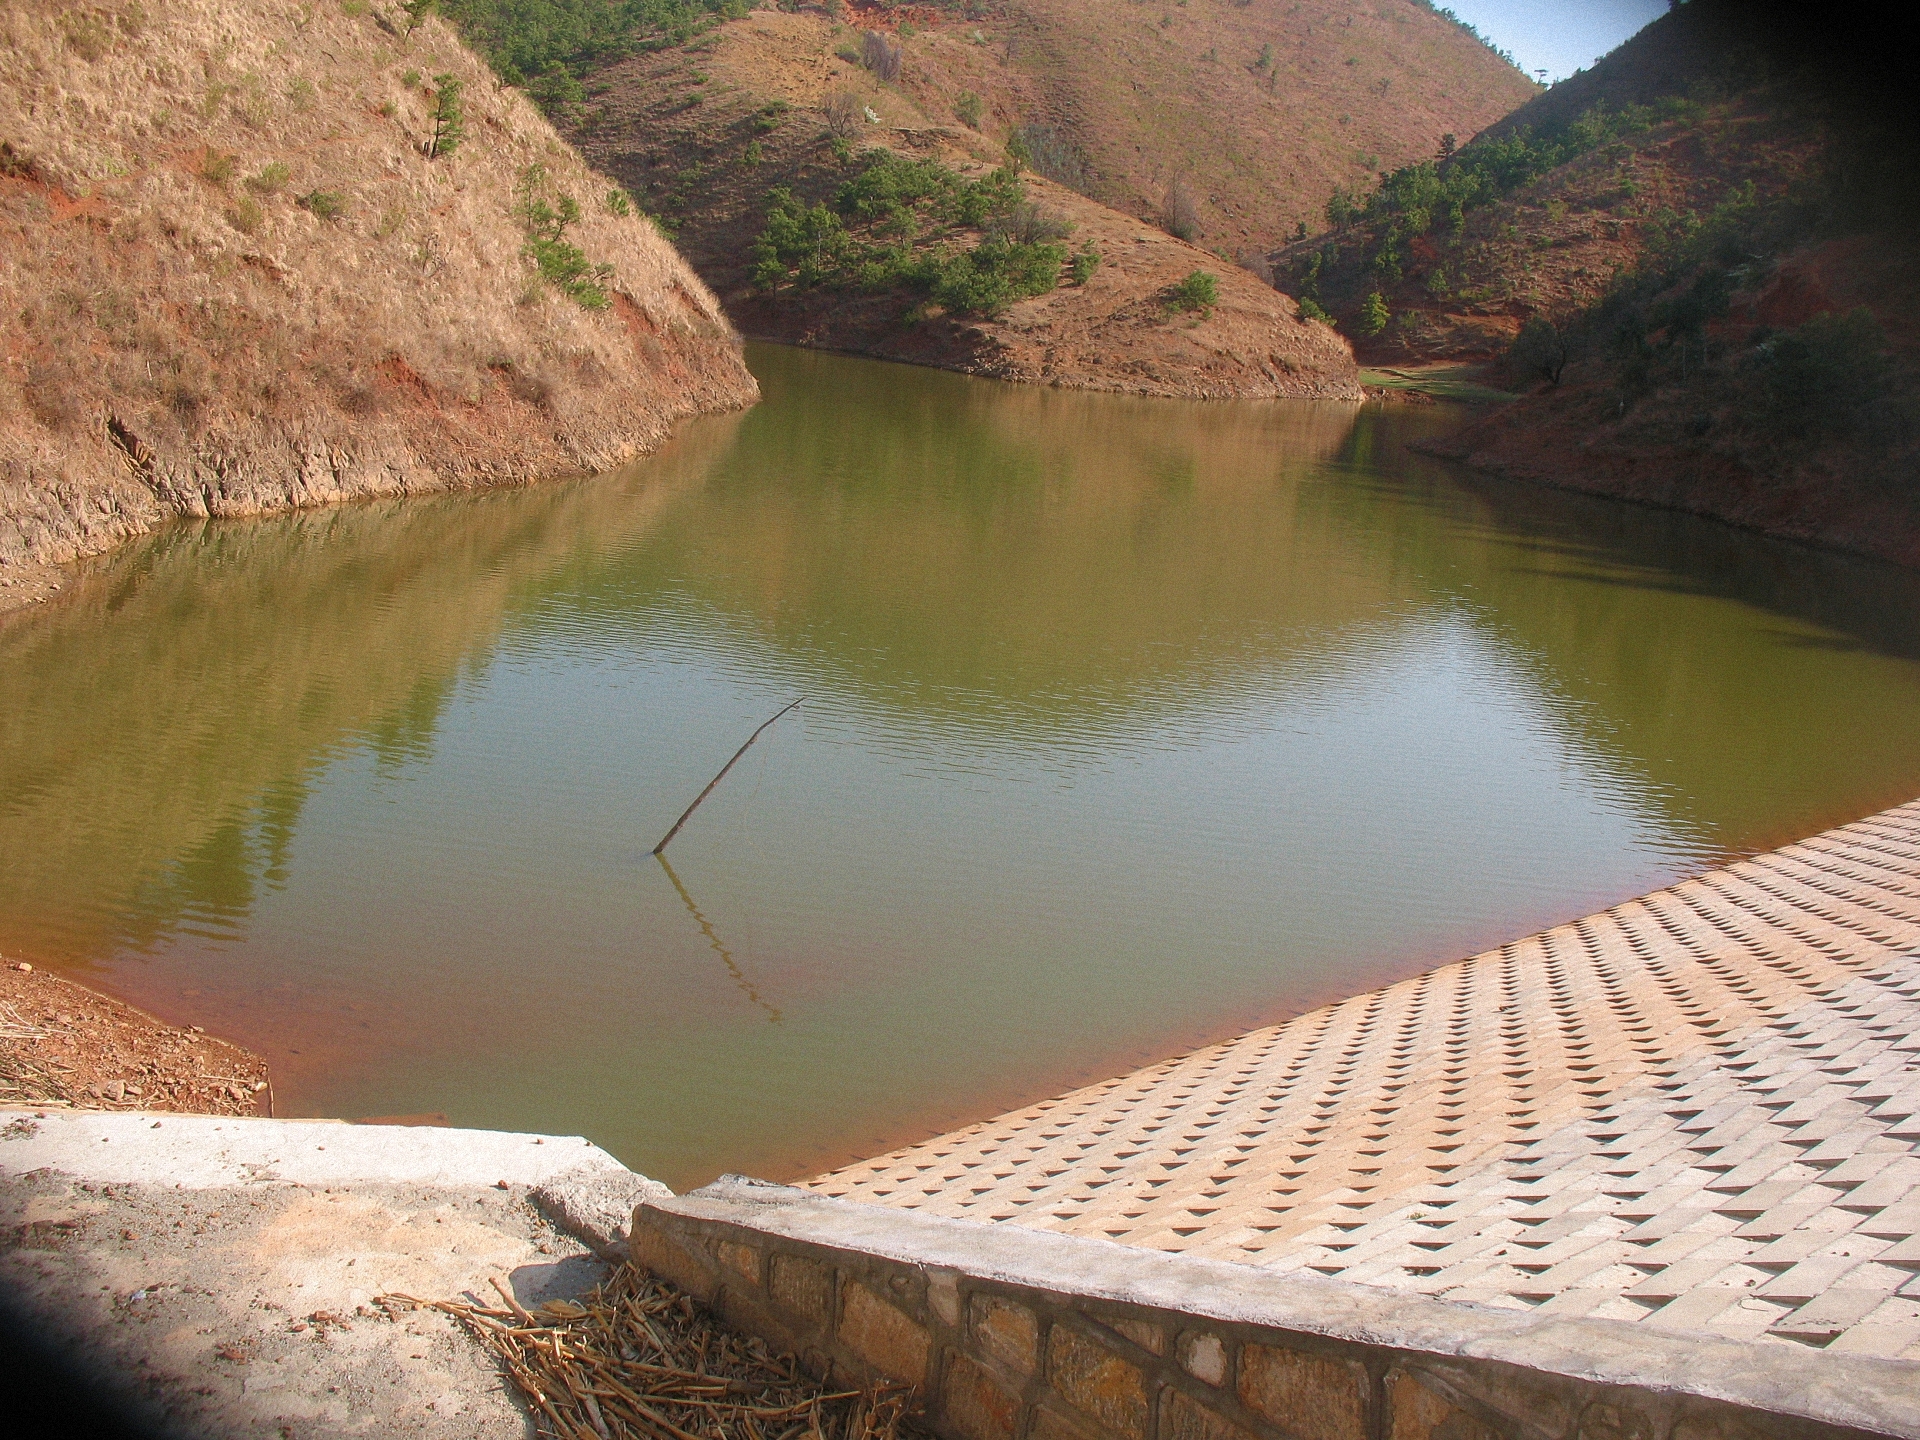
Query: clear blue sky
x=1558, y=36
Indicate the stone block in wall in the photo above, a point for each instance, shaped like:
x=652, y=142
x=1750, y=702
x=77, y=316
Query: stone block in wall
x=1006, y=1331
x=882, y=1334
x=1184, y=1418
x=664, y=1253
x=1601, y=1421
x=977, y=1405
x=1417, y=1413
x=1049, y=1423
x=803, y=1286
x=1097, y=1382
x=1144, y=1333
x=1727, y=1425
x=1204, y=1357
x=1316, y=1397
x=740, y=1262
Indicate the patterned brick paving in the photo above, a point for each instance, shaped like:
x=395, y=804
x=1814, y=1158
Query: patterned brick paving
x=1696, y=1109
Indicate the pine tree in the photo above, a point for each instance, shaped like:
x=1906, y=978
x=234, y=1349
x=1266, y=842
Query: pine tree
x=449, y=119
x=1373, y=315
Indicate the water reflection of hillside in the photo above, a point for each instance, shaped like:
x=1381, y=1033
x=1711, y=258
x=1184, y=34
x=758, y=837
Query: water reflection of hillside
x=1748, y=731
x=1022, y=562
x=160, y=727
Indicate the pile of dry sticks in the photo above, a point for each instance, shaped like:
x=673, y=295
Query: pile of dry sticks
x=638, y=1358
x=23, y=1080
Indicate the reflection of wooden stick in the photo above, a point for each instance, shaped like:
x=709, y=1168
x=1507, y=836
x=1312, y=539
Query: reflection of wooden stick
x=713, y=939
x=715, y=781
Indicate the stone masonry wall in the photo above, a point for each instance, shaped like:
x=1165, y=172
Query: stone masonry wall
x=1021, y=1335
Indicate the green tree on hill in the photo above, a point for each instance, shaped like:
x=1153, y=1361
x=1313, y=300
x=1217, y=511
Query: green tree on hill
x=522, y=39
x=1373, y=316
x=449, y=118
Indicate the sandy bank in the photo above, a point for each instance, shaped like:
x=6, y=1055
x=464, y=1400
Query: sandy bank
x=63, y=1044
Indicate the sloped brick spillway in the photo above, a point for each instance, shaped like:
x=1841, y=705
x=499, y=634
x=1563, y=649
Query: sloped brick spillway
x=1696, y=1110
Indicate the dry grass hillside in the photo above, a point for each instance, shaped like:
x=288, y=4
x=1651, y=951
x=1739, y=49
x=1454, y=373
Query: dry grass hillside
x=702, y=134
x=232, y=279
x=1697, y=265
x=1257, y=109
x=1553, y=246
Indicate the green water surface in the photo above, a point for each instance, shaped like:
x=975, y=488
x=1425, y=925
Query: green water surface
x=1127, y=724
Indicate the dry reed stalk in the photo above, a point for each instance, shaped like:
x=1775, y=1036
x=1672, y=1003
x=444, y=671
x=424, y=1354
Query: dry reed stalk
x=637, y=1358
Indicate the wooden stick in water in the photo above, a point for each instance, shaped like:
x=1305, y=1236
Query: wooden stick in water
x=715, y=781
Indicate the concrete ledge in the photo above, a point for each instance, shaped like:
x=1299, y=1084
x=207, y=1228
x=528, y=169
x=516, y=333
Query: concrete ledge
x=220, y=1277
x=209, y=1152
x=1017, y=1334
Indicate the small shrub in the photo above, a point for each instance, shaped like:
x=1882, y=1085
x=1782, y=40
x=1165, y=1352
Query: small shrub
x=354, y=9
x=388, y=110
x=1198, y=293
x=619, y=204
x=968, y=109
x=449, y=117
x=842, y=150
x=1085, y=261
x=849, y=54
x=246, y=216
x=1821, y=372
x=323, y=204
x=842, y=112
x=391, y=219
x=217, y=168
x=556, y=91
x=881, y=54
x=1178, y=213
x=769, y=116
x=1054, y=153
x=253, y=107
x=1538, y=352
x=753, y=154
x=1029, y=224
x=1373, y=315
x=270, y=179
x=1018, y=157
x=411, y=79
x=558, y=262
x=300, y=93
x=417, y=12
x=1310, y=310
x=88, y=36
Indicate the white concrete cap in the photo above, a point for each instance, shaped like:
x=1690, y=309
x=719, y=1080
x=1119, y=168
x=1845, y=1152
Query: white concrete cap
x=205, y=1152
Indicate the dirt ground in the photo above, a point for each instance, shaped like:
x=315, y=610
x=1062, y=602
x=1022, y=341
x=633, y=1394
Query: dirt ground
x=63, y=1044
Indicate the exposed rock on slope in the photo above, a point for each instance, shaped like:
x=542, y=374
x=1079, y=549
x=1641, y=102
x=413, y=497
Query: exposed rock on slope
x=233, y=281
x=708, y=168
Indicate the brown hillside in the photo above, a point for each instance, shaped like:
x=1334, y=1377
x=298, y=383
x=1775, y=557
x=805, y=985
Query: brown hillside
x=691, y=134
x=1146, y=92
x=1553, y=247
x=1711, y=437
x=1720, y=290
x=1116, y=332
x=231, y=281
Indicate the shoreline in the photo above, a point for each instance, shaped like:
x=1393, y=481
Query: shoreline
x=66, y=1046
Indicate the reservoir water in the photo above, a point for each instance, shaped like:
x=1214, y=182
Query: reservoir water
x=1127, y=724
